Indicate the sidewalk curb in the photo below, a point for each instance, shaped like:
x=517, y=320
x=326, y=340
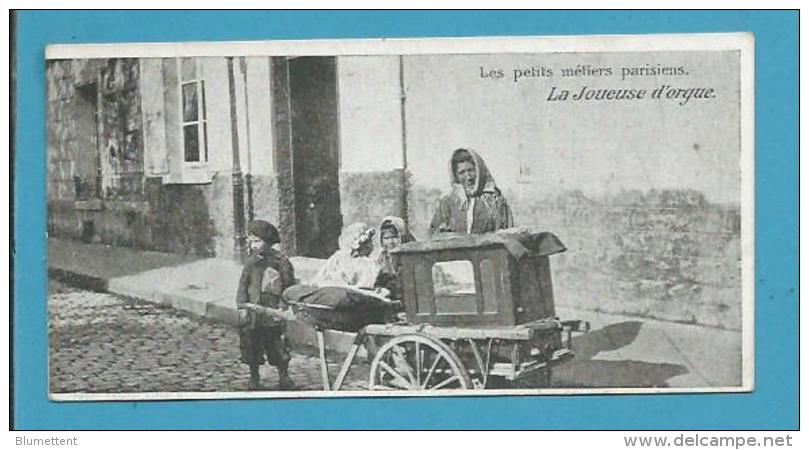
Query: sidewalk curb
x=298, y=333
x=79, y=280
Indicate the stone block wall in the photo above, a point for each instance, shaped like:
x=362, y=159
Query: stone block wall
x=171, y=218
x=264, y=192
x=664, y=254
x=97, y=188
x=71, y=157
x=370, y=196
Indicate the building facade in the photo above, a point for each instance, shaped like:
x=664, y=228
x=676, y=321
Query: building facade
x=176, y=154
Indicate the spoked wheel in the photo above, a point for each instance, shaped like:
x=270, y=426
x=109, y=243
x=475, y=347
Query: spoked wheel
x=416, y=362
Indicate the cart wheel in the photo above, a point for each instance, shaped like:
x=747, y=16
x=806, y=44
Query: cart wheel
x=417, y=362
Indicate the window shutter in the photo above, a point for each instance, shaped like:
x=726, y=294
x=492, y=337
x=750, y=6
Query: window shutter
x=171, y=111
x=154, y=122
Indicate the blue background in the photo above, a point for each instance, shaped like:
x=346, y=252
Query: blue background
x=773, y=405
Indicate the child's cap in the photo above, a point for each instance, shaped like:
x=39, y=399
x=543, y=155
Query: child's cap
x=265, y=231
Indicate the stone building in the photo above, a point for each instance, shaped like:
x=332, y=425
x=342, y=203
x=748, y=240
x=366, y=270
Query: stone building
x=176, y=154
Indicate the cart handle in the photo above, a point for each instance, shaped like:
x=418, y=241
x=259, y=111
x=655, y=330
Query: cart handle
x=576, y=326
x=573, y=326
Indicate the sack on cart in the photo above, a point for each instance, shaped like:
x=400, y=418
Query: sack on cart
x=337, y=308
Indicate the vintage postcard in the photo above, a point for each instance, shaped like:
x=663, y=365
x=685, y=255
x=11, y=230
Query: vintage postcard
x=476, y=216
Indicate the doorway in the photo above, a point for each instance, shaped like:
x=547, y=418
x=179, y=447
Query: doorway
x=308, y=153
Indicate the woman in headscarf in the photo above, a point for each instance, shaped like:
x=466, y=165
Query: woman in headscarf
x=475, y=204
x=343, y=295
x=393, y=232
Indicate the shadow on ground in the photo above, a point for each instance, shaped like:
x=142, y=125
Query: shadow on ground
x=585, y=371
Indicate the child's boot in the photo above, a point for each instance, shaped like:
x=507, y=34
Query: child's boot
x=253, y=384
x=285, y=383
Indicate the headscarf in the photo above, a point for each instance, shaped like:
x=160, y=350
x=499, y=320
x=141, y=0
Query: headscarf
x=404, y=234
x=399, y=224
x=485, y=187
x=346, y=267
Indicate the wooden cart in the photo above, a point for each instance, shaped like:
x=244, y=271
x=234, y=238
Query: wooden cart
x=479, y=313
x=425, y=357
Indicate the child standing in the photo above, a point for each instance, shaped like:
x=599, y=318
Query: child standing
x=265, y=275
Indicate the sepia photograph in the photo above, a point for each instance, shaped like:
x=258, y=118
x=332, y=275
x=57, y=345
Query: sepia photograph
x=411, y=217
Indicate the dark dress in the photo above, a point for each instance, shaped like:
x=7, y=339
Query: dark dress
x=263, y=279
x=388, y=263
x=389, y=276
x=490, y=213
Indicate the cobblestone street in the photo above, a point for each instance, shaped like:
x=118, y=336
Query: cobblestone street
x=102, y=343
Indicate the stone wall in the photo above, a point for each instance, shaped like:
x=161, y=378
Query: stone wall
x=370, y=196
x=71, y=156
x=667, y=254
x=664, y=254
x=97, y=188
x=264, y=192
x=184, y=219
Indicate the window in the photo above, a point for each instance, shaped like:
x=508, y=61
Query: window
x=194, y=122
x=177, y=119
x=454, y=287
